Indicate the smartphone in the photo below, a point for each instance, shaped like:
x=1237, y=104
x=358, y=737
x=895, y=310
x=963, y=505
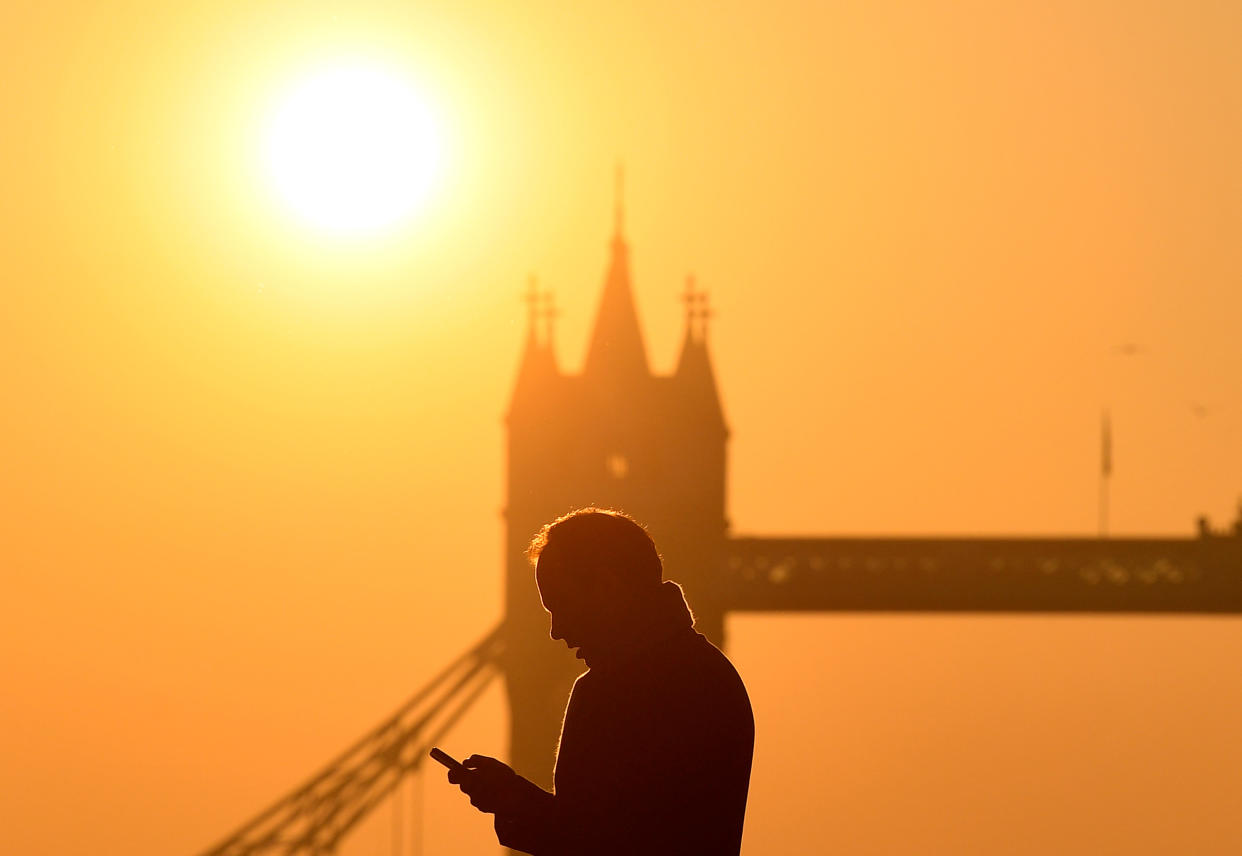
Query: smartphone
x=445, y=758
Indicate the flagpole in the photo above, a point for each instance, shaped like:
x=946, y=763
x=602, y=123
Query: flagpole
x=1103, y=506
x=1106, y=469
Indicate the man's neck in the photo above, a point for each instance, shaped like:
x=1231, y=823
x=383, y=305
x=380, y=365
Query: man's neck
x=650, y=621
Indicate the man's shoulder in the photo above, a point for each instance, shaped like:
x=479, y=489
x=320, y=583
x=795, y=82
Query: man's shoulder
x=694, y=650
x=693, y=666
x=685, y=666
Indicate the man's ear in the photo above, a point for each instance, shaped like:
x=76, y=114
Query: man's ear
x=595, y=582
x=616, y=588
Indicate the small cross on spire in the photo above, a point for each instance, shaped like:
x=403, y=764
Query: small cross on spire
x=697, y=310
x=531, y=299
x=704, y=315
x=549, y=313
x=688, y=297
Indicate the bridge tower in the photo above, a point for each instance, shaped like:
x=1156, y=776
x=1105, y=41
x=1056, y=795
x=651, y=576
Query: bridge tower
x=615, y=436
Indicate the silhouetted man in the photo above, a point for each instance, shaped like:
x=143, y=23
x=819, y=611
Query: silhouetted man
x=656, y=744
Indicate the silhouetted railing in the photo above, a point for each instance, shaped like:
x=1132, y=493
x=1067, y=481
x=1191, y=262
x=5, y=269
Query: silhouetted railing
x=1190, y=575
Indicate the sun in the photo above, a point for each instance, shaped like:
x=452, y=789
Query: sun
x=353, y=148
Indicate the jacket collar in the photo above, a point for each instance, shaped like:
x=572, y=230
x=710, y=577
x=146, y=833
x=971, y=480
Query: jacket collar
x=665, y=615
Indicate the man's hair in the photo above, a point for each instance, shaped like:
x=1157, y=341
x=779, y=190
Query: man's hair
x=611, y=538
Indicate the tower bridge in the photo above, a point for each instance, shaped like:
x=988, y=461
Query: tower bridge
x=618, y=435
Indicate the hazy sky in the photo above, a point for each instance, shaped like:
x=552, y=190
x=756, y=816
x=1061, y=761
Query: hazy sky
x=253, y=475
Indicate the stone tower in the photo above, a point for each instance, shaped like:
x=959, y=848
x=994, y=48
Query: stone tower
x=614, y=436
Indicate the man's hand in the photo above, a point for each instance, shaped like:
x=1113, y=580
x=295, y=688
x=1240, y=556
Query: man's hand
x=524, y=811
x=493, y=787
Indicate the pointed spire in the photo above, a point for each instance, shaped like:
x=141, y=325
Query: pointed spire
x=616, y=345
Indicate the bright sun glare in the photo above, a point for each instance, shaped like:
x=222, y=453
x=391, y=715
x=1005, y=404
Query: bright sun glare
x=353, y=149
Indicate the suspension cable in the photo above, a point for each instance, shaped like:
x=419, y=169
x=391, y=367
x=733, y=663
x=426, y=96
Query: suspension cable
x=313, y=817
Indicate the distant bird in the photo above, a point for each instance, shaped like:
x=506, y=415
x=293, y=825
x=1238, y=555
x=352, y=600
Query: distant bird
x=1199, y=410
x=1130, y=349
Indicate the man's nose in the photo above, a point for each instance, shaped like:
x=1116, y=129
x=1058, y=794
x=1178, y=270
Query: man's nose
x=554, y=629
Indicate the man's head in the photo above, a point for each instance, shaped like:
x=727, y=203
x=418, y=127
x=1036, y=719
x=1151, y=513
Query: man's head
x=593, y=568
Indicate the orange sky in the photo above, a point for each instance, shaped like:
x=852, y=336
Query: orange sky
x=252, y=477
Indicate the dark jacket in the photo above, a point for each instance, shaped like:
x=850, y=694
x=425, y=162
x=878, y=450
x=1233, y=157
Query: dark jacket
x=655, y=749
